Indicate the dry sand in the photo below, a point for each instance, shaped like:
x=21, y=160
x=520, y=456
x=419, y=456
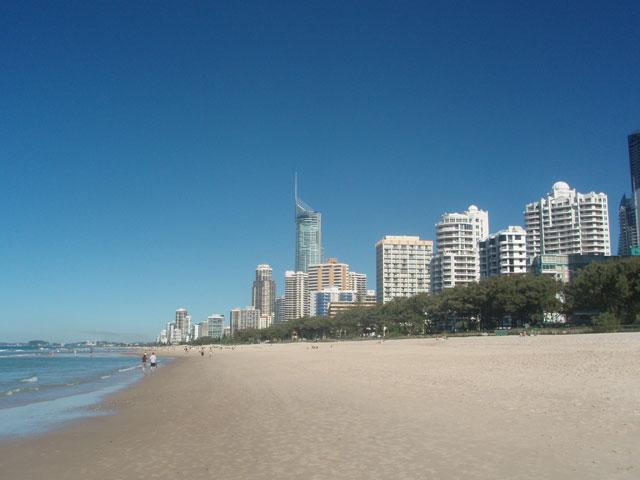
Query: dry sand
x=564, y=407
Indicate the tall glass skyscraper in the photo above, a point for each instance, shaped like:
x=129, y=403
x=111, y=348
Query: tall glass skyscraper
x=634, y=164
x=628, y=229
x=629, y=211
x=308, y=234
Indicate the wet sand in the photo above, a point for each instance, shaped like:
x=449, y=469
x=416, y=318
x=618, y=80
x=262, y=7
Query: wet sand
x=563, y=407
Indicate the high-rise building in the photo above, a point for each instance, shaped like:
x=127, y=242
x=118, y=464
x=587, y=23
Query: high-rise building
x=215, y=325
x=634, y=164
x=308, y=235
x=244, y=318
x=504, y=253
x=458, y=236
x=358, y=283
x=199, y=330
x=628, y=228
x=279, y=314
x=183, y=324
x=628, y=213
x=264, y=291
x=402, y=266
x=296, y=295
x=566, y=222
x=327, y=275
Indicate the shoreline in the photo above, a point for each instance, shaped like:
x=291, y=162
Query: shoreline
x=80, y=400
x=475, y=407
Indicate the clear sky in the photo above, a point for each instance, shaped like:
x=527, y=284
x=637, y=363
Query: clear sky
x=147, y=151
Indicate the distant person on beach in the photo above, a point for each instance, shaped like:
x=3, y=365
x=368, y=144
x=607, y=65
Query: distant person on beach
x=154, y=361
x=144, y=360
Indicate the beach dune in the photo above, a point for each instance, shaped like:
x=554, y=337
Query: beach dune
x=548, y=407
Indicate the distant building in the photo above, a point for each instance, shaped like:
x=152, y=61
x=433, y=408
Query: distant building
x=200, y=330
x=563, y=267
x=296, y=295
x=162, y=338
x=183, y=325
x=215, y=326
x=264, y=291
x=566, y=222
x=629, y=211
x=358, y=283
x=634, y=164
x=327, y=275
x=321, y=299
x=279, y=312
x=175, y=335
x=402, y=266
x=227, y=331
x=308, y=235
x=244, y=319
x=370, y=296
x=458, y=237
x=265, y=321
x=504, y=253
x=628, y=228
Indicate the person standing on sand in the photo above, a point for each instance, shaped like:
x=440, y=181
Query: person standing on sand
x=154, y=361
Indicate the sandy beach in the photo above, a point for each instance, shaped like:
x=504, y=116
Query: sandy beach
x=560, y=407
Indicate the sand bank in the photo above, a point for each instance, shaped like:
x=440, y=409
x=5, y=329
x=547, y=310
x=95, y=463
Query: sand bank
x=477, y=408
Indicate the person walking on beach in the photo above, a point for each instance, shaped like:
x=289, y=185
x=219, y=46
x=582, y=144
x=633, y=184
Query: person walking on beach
x=154, y=361
x=144, y=361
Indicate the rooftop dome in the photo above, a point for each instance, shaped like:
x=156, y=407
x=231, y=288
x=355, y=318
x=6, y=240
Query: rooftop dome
x=561, y=186
x=473, y=208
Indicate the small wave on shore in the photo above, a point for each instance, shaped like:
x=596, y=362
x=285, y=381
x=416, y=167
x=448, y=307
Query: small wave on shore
x=127, y=369
x=30, y=379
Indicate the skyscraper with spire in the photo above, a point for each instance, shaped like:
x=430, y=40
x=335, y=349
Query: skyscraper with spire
x=634, y=165
x=629, y=210
x=308, y=234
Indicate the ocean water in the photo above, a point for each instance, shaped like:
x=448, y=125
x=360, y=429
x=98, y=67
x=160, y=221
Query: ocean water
x=42, y=388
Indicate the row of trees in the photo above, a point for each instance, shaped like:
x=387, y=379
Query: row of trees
x=607, y=291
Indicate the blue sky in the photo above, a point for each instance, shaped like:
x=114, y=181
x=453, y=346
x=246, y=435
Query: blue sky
x=147, y=151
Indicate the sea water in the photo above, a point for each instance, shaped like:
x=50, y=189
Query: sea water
x=41, y=388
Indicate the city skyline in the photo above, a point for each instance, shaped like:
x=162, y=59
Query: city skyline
x=145, y=171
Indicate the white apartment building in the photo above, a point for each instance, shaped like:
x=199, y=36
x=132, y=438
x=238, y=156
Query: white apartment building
x=358, y=283
x=265, y=321
x=182, y=325
x=215, y=326
x=566, y=222
x=244, y=318
x=296, y=295
x=504, y=252
x=458, y=260
x=402, y=266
